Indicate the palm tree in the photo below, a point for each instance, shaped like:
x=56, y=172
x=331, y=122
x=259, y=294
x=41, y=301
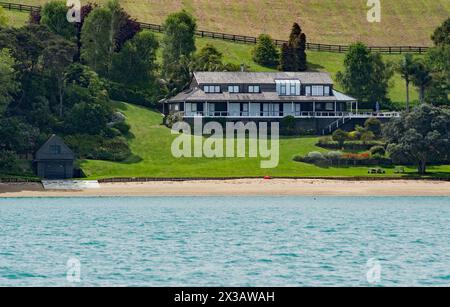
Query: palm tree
x=406, y=69
x=421, y=78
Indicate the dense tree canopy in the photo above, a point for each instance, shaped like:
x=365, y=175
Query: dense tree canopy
x=135, y=64
x=179, y=46
x=441, y=35
x=97, y=45
x=419, y=137
x=54, y=16
x=9, y=84
x=366, y=77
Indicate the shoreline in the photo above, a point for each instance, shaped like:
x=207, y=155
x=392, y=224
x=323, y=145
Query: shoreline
x=240, y=187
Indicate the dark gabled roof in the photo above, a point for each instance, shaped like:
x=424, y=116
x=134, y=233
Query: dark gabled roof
x=261, y=77
x=44, y=153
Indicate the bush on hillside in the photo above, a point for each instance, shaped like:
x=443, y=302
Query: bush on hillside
x=266, y=52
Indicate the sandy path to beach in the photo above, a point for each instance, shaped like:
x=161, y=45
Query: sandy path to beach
x=244, y=187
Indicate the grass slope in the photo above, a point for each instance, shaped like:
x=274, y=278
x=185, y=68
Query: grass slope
x=152, y=144
x=404, y=22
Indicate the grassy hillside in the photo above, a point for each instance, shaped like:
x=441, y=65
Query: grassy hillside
x=152, y=146
x=241, y=54
x=404, y=22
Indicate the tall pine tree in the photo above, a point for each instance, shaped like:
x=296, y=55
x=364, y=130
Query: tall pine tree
x=293, y=54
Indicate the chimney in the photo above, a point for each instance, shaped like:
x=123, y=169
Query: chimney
x=242, y=67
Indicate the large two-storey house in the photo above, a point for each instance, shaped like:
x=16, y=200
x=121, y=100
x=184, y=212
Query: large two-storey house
x=310, y=97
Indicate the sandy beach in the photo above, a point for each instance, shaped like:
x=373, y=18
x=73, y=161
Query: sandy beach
x=244, y=187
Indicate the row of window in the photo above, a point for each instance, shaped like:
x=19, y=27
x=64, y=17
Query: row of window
x=317, y=90
x=283, y=89
x=231, y=89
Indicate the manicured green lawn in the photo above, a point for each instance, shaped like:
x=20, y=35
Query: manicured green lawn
x=17, y=19
x=152, y=145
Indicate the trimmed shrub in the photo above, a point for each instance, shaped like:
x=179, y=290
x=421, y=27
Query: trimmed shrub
x=378, y=150
x=340, y=136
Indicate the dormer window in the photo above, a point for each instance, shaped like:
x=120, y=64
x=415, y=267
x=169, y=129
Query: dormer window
x=211, y=89
x=254, y=89
x=288, y=87
x=233, y=88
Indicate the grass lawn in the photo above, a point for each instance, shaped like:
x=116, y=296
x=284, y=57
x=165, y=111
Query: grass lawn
x=403, y=22
x=17, y=19
x=152, y=146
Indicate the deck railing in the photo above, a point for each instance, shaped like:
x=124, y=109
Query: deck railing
x=350, y=115
x=250, y=39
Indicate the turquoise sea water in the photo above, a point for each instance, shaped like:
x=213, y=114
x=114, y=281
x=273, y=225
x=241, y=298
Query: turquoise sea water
x=225, y=241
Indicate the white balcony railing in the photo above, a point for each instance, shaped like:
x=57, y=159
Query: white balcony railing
x=224, y=114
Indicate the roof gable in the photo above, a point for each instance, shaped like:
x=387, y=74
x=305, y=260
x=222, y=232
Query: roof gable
x=45, y=152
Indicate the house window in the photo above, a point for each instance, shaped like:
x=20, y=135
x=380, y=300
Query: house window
x=283, y=89
x=233, y=89
x=211, y=89
x=308, y=90
x=55, y=149
x=253, y=89
x=317, y=90
x=298, y=108
x=245, y=109
x=326, y=91
x=293, y=89
x=329, y=106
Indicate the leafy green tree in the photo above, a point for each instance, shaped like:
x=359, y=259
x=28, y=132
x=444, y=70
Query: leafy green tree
x=3, y=18
x=406, y=68
x=380, y=81
x=419, y=137
x=135, y=64
x=437, y=60
x=179, y=45
x=57, y=57
x=9, y=84
x=422, y=79
x=54, y=16
x=89, y=118
x=441, y=35
x=266, y=52
x=365, y=75
x=17, y=135
x=208, y=59
x=340, y=136
x=99, y=36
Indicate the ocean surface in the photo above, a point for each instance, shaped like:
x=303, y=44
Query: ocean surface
x=225, y=241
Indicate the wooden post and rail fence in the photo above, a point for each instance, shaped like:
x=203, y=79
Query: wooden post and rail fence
x=249, y=39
